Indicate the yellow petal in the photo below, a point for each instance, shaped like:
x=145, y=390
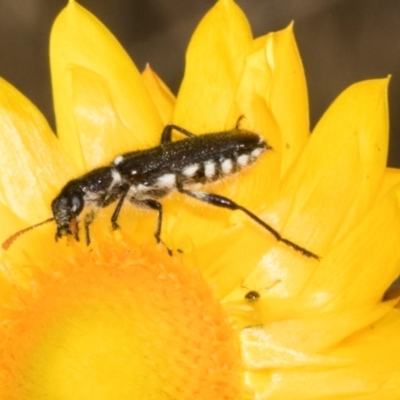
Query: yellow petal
x=305, y=336
x=335, y=180
x=370, y=253
x=97, y=119
x=369, y=350
x=78, y=39
x=10, y=224
x=364, y=366
x=163, y=98
x=214, y=63
x=32, y=164
x=285, y=90
x=258, y=188
x=390, y=179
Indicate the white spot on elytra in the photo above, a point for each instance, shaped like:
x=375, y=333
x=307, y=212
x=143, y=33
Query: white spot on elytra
x=167, y=180
x=118, y=160
x=116, y=177
x=243, y=160
x=227, y=166
x=209, y=169
x=190, y=170
x=257, y=152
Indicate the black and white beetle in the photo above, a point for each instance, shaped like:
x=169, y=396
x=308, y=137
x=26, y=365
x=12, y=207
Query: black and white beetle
x=144, y=176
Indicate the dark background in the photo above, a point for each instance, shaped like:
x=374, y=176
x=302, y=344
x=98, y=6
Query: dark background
x=340, y=41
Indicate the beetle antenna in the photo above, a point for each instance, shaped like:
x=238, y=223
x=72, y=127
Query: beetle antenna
x=6, y=244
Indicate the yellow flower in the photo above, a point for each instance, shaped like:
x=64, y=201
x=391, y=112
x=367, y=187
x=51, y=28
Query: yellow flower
x=234, y=314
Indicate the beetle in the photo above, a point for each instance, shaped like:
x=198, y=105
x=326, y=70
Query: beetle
x=252, y=295
x=143, y=177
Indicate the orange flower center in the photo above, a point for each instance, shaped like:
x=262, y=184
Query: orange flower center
x=118, y=323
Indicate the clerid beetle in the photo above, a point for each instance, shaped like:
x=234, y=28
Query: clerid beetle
x=143, y=177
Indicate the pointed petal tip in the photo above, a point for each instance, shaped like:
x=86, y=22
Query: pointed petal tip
x=377, y=84
x=218, y=48
x=227, y=2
